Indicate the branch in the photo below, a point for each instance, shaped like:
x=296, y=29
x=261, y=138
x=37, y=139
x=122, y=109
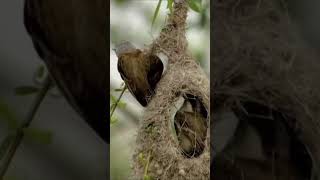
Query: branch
x=117, y=102
x=19, y=134
x=172, y=41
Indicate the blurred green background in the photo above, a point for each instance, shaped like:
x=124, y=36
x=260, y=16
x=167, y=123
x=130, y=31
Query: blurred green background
x=131, y=20
x=74, y=152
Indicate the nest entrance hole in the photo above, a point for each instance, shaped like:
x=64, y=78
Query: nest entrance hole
x=191, y=124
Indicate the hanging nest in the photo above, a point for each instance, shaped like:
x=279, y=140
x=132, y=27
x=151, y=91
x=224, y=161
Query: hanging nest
x=158, y=153
x=259, y=57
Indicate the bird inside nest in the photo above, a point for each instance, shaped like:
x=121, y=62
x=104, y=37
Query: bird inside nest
x=263, y=146
x=190, y=124
x=141, y=71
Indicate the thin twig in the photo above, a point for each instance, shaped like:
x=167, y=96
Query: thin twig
x=147, y=166
x=19, y=134
x=117, y=102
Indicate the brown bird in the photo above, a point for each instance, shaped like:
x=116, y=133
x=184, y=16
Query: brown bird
x=191, y=127
x=71, y=38
x=140, y=71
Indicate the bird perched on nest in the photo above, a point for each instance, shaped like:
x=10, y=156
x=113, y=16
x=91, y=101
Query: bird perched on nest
x=70, y=37
x=140, y=71
x=191, y=127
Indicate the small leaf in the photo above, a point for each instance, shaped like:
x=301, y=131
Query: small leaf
x=112, y=106
x=170, y=5
x=40, y=71
x=8, y=115
x=113, y=120
x=141, y=158
x=195, y=5
x=122, y=104
x=122, y=85
x=26, y=90
x=5, y=144
x=10, y=177
x=156, y=12
x=118, y=89
x=147, y=177
x=38, y=135
x=113, y=99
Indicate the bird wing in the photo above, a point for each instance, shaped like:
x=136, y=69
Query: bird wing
x=133, y=74
x=155, y=70
x=70, y=36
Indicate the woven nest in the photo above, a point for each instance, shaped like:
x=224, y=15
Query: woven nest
x=158, y=155
x=155, y=137
x=258, y=56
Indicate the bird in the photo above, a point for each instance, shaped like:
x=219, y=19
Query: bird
x=191, y=127
x=70, y=38
x=140, y=71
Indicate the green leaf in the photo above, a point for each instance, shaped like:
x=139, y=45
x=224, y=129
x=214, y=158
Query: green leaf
x=147, y=177
x=112, y=106
x=156, y=12
x=170, y=5
x=38, y=135
x=113, y=120
x=113, y=99
x=141, y=159
x=195, y=5
x=118, y=89
x=40, y=71
x=8, y=115
x=122, y=85
x=5, y=144
x=10, y=177
x=122, y=104
x=26, y=90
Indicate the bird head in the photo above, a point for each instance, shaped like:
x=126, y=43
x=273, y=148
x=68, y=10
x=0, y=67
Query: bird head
x=124, y=47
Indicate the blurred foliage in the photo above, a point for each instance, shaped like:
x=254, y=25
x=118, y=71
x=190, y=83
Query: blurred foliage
x=38, y=76
x=195, y=5
x=8, y=116
x=32, y=134
x=4, y=146
x=145, y=162
x=120, y=157
x=116, y=103
x=10, y=177
x=156, y=12
x=113, y=120
x=26, y=90
x=39, y=136
x=121, y=2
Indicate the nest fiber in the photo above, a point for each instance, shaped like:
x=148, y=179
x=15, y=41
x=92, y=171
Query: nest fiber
x=259, y=56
